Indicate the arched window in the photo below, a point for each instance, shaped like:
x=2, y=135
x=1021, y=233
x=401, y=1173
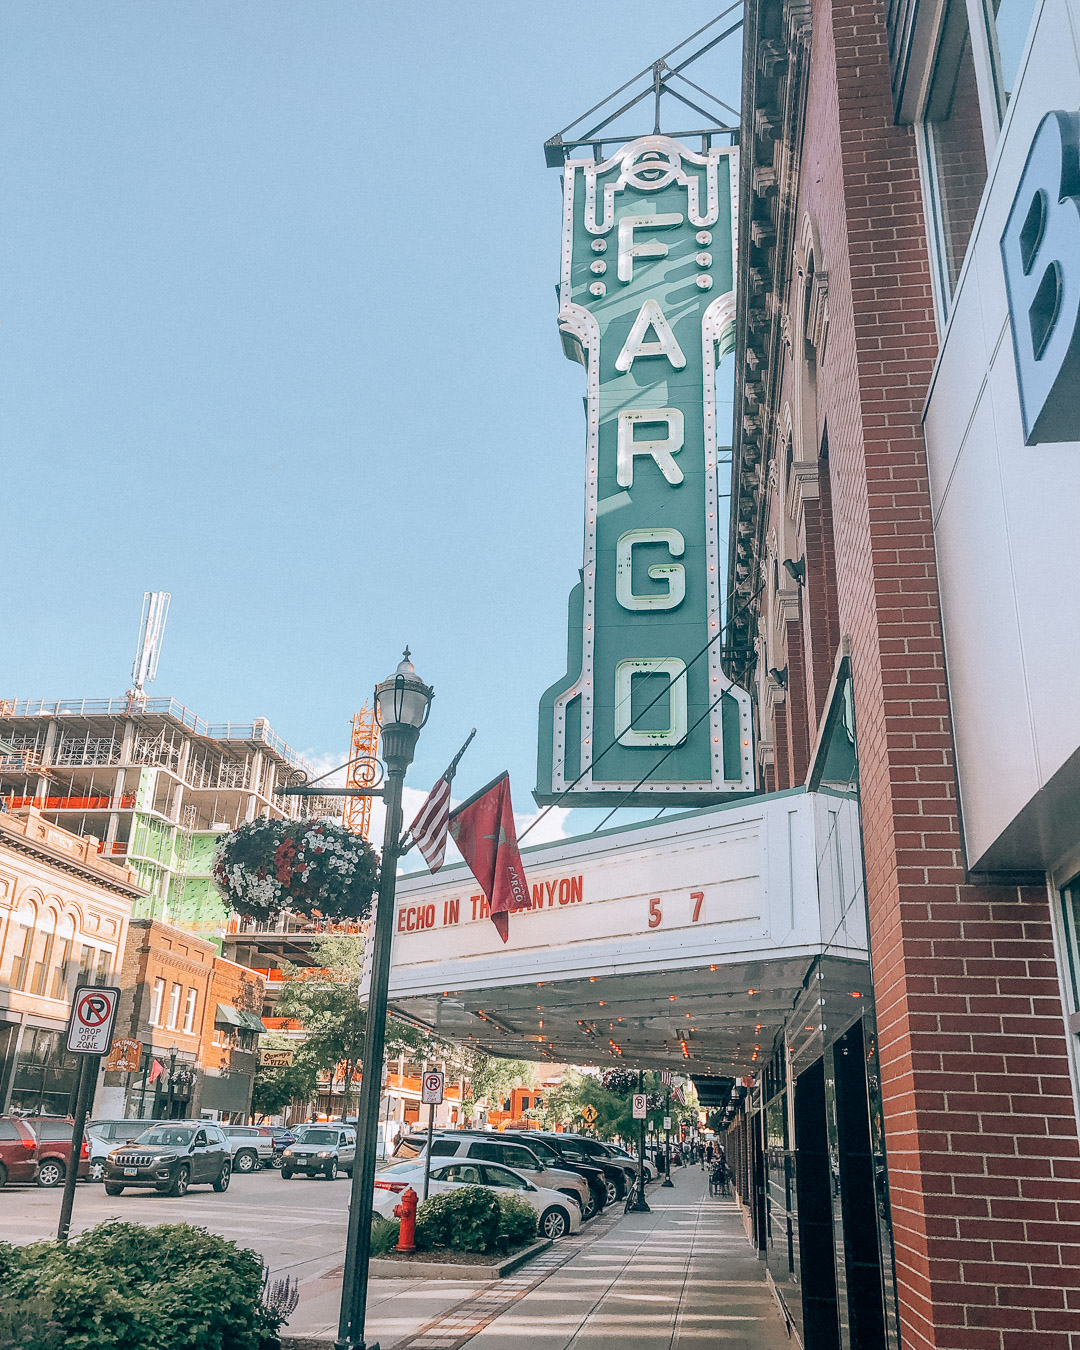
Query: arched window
x=65, y=938
x=20, y=942
x=41, y=950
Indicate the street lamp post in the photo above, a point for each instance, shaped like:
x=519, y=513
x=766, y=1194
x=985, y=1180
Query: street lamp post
x=174, y=1050
x=402, y=703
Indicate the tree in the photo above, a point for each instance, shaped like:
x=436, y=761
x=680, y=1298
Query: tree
x=275, y=1089
x=611, y=1097
x=492, y=1078
x=325, y=1001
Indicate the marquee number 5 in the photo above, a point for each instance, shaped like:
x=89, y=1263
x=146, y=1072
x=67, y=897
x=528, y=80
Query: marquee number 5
x=655, y=915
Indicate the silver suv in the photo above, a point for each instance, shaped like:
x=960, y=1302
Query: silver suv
x=322, y=1150
x=495, y=1148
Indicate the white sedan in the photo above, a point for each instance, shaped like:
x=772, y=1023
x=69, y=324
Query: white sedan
x=558, y=1214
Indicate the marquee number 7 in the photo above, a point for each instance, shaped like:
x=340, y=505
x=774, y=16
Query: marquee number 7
x=698, y=898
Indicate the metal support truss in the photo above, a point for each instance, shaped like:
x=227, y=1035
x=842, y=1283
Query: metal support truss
x=657, y=80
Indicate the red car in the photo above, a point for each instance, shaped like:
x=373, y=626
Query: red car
x=18, y=1150
x=54, y=1149
x=38, y=1149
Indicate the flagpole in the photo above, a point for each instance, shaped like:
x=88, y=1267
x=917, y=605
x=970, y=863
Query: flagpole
x=448, y=777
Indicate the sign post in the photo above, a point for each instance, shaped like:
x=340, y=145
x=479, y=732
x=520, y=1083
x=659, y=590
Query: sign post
x=90, y=1034
x=638, y=1202
x=431, y=1093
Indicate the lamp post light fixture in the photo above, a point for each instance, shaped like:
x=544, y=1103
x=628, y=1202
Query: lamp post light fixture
x=402, y=705
x=174, y=1050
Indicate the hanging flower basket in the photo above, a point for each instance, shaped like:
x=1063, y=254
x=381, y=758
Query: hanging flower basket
x=310, y=867
x=620, y=1080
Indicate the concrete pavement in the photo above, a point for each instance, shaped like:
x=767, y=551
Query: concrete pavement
x=682, y=1277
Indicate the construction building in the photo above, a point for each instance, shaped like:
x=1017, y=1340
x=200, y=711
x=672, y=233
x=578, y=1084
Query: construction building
x=153, y=784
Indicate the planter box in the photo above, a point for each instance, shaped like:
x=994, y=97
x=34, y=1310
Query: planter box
x=388, y=1267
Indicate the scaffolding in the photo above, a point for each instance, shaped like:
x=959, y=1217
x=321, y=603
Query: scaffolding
x=362, y=771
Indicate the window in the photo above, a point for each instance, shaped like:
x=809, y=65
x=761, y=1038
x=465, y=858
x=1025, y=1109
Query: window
x=956, y=152
x=22, y=938
x=155, y=1002
x=104, y=961
x=468, y=1176
x=498, y=1176
x=62, y=959
x=43, y=946
x=189, y=1010
x=86, y=966
x=1070, y=922
x=174, y=1006
x=1010, y=22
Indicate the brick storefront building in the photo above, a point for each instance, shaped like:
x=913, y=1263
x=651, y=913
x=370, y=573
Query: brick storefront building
x=846, y=289
x=177, y=992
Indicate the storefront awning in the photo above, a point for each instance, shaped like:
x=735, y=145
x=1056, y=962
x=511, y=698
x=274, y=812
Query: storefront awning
x=227, y=1016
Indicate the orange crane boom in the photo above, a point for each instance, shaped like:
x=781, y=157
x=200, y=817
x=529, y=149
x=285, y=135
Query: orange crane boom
x=356, y=811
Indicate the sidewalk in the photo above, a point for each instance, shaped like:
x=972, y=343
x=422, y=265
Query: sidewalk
x=682, y=1277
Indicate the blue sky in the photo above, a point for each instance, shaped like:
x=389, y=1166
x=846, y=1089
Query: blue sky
x=277, y=334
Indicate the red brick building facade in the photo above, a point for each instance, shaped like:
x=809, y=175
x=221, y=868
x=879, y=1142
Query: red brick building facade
x=834, y=598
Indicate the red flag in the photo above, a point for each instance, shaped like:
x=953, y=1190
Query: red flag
x=156, y=1071
x=483, y=829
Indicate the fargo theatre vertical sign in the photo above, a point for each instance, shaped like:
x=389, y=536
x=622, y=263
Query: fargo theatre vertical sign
x=647, y=305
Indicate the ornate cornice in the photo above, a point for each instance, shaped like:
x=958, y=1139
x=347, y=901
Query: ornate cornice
x=776, y=63
x=21, y=843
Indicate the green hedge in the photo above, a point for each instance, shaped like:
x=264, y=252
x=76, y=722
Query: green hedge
x=472, y=1219
x=122, y=1286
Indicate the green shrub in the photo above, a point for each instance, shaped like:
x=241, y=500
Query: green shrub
x=384, y=1234
x=519, y=1220
x=468, y=1219
x=122, y=1286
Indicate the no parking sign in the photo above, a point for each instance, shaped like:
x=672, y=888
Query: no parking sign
x=92, y=1020
x=431, y=1089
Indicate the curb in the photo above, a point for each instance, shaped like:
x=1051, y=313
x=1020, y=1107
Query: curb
x=446, y=1270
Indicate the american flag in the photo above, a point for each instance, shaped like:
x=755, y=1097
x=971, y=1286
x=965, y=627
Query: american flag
x=677, y=1096
x=665, y=1077
x=432, y=822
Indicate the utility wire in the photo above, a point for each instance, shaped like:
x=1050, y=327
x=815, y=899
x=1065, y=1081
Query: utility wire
x=662, y=694
x=641, y=781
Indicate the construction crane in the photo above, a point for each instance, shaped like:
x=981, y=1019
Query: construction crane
x=362, y=771
x=155, y=611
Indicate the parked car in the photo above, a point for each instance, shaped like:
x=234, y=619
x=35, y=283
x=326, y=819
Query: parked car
x=252, y=1146
x=170, y=1157
x=488, y=1147
x=53, y=1153
x=556, y=1217
x=104, y=1135
x=650, y=1167
x=619, y=1173
x=18, y=1150
x=322, y=1150
x=283, y=1138
x=551, y=1157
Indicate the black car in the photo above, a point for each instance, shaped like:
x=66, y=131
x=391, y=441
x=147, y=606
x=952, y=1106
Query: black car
x=170, y=1157
x=619, y=1173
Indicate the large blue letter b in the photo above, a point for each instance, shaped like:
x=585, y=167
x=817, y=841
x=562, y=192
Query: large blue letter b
x=1040, y=250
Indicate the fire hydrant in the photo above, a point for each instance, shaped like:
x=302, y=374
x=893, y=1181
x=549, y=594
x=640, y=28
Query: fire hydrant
x=405, y=1210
